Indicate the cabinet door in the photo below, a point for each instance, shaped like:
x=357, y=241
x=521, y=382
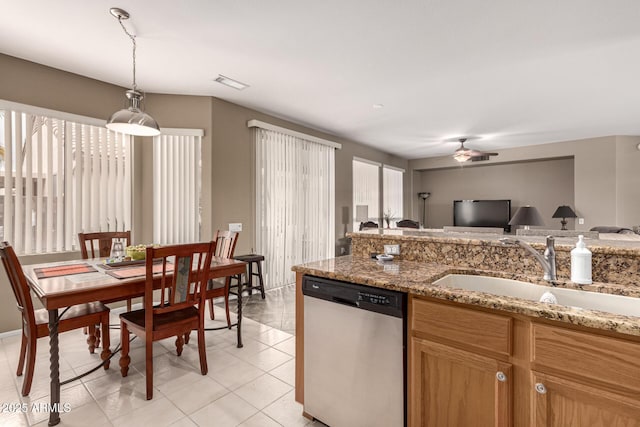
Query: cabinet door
x=452, y=387
x=560, y=402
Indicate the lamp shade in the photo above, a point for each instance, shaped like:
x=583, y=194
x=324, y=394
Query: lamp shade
x=132, y=120
x=362, y=213
x=526, y=215
x=564, y=212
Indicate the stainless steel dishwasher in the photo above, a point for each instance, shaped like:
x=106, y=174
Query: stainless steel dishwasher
x=354, y=354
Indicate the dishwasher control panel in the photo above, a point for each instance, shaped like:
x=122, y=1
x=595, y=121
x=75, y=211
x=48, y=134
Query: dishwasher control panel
x=374, y=298
x=384, y=301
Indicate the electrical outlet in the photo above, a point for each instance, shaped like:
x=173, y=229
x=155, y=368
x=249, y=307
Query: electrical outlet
x=392, y=249
x=581, y=221
x=235, y=226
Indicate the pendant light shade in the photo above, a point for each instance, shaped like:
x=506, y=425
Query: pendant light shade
x=132, y=120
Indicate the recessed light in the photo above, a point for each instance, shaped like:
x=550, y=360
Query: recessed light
x=231, y=82
x=378, y=106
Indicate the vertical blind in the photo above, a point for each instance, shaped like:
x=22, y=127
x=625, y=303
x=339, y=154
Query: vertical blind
x=392, y=192
x=60, y=177
x=176, y=186
x=295, y=203
x=366, y=189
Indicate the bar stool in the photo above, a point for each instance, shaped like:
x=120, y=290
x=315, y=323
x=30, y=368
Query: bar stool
x=251, y=259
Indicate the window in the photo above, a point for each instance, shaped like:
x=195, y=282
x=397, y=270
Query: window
x=60, y=174
x=392, y=193
x=366, y=190
x=177, y=170
x=295, y=200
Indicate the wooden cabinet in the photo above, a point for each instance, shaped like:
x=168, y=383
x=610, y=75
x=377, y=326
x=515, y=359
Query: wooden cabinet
x=554, y=375
x=561, y=402
x=453, y=387
x=584, y=379
x=458, y=375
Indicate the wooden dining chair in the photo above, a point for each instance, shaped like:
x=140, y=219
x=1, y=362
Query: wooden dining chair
x=35, y=323
x=181, y=272
x=225, y=247
x=99, y=245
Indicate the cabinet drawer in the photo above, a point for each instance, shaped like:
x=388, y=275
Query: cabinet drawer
x=484, y=331
x=604, y=359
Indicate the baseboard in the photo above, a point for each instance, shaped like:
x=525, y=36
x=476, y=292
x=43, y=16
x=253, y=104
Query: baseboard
x=10, y=333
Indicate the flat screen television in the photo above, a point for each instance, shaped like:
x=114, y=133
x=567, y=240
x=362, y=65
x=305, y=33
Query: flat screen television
x=482, y=213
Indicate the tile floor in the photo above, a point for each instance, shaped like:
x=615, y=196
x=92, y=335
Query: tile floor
x=251, y=386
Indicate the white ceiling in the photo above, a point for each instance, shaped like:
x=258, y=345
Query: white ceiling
x=516, y=72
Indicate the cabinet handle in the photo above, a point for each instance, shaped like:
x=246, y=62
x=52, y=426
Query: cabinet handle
x=500, y=376
x=540, y=388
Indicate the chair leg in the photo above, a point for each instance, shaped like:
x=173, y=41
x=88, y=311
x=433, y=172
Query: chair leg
x=179, y=344
x=187, y=336
x=23, y=350
x=149, y=365
x=91, y=339
x=106, y=341
x=250, y=278
x=211, y=314
x=97, y=335
x=226, y=306
x=124, y=355
x=31, y=363
x=260, y=279
x=202, y=350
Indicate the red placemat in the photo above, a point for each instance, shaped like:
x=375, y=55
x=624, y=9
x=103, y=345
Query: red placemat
x=63, y=270
x=127, y=273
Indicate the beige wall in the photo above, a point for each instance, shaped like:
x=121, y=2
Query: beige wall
x=605, y=181
x=544, y=184
x=227, y=153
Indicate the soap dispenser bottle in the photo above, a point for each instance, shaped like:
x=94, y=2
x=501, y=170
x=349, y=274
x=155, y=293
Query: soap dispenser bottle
x=581, y=263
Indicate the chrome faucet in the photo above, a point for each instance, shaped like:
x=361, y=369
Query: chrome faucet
x=547, y=260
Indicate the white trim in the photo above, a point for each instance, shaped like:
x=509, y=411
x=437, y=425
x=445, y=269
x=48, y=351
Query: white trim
x=268, y=126
x=11, y=333
x=371, y=162
x=182, y=132
x=393, y=168
x=9, y=105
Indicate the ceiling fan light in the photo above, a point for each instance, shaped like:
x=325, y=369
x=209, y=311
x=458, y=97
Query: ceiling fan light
x=461, y=156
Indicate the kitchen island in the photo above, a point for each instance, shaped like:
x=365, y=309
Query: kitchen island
x=530, y=358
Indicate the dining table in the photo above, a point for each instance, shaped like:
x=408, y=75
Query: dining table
x=63, y=284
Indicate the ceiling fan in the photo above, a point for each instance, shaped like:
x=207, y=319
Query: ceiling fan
x=464, y=154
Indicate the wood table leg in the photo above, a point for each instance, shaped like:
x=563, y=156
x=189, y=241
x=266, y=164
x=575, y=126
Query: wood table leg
x=54, y=359
x=240, y=345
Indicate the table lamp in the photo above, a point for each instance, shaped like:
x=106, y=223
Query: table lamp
x=526, y=216
x=564, y=212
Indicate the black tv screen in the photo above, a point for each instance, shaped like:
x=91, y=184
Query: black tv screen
x=482, y=213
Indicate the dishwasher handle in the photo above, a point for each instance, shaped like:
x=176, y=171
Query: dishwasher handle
x=345, y=301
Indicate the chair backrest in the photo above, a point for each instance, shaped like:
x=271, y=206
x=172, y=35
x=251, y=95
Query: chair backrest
x=225, y=243
x=368, y=224
x=18, y=283
x=408, y=223
x=182, y=272
x=100, y=243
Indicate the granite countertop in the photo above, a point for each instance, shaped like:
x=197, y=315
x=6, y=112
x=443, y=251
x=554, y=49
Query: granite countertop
x=417, y=278
x=619, y=247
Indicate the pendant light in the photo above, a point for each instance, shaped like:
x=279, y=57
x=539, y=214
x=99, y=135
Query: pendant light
x=132, y=120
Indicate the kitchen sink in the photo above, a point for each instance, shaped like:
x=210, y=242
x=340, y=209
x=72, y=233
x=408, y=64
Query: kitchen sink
x=609, y=303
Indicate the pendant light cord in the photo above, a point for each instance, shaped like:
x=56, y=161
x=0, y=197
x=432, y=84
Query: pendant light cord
x=133, y=40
